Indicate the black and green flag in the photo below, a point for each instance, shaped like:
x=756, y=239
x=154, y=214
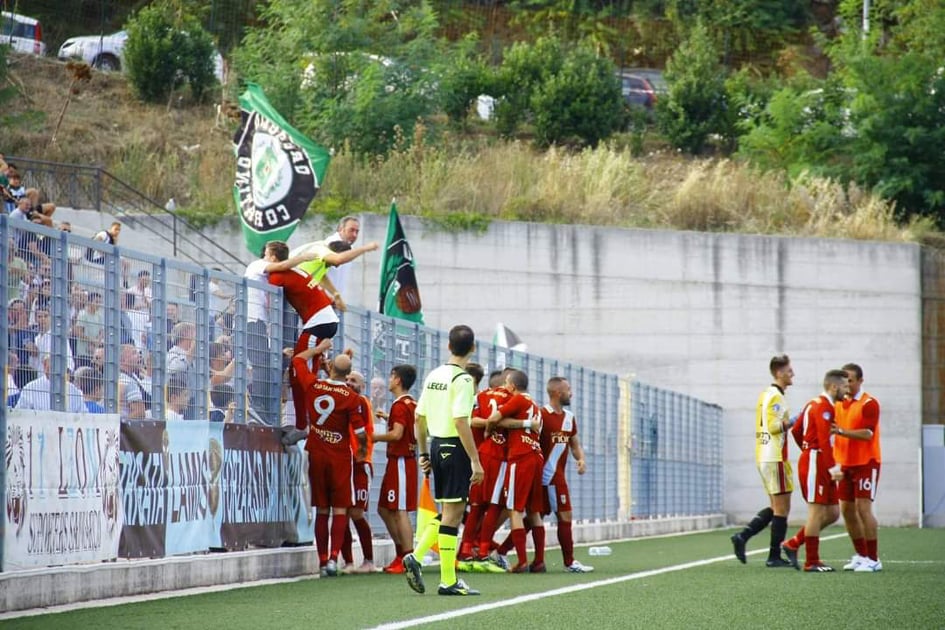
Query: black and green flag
x=278, y=171
x=399, y=293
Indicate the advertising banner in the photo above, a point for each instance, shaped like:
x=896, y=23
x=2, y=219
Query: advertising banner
x=62, y=488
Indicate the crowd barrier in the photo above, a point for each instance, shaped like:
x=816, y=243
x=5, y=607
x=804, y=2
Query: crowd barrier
x=137, y=481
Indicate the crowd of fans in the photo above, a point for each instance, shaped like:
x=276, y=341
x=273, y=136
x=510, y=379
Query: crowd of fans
x=31, y=333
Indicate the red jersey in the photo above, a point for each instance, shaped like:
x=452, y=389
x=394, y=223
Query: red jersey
x=333, y=407
x=368, y=431
x=301, y=291
x=487, y=402
x=402, y=412
x=522, y=442
x=813, y=428
x=557, y=428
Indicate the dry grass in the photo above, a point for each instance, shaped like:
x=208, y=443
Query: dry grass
x=460, y=181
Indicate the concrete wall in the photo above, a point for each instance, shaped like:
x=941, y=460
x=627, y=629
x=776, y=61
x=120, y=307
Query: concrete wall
x=698, y=313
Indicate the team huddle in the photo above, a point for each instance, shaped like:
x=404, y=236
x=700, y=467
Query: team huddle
x=838, y=469
x=497, y=450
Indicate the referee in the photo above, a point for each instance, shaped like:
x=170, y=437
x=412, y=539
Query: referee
x=443, y=413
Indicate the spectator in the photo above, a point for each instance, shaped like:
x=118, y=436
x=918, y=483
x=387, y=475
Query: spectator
x=178, y=397
x=348, y=229
x=221, y=294
x=142, y=291
x=137, y=315
x=43, y=342
x=173, y=318
x=181, y=355
x=109, y=236
x=222, y=364
x=18, y=273
x=13, y=392
x=90, y=328
x=20, y=336
x=92, y=385
x=98, y=359
x=222, y=399
x=131, y=394
x=36, y=394
x=14, y=189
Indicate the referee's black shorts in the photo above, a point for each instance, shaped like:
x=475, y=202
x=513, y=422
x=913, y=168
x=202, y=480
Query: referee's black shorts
x=451, y=469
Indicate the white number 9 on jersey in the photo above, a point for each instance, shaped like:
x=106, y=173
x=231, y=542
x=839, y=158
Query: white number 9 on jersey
x=323, y=406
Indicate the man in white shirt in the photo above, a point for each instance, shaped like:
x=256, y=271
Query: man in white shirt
x=43, y=342
x=348, y=229
x=36, y=395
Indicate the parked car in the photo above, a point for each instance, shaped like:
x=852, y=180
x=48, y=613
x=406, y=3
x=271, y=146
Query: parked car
x=106, y=52
x=642, y=86
x=99, y=51
x=23, y=34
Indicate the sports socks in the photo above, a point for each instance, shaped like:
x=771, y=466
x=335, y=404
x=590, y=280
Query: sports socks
x=812, y=546
x=797, y=540
x=364, y=535
x=757, y=524
x=872, y=549
x=471, y=528
x=518, y=539
x=487, y=529
x=346, y=552
x=428, y=537
x=321, y=536
x=339, y=523
x=566, y=540
x=446, y=539
x=778, y=531
x=538, y=537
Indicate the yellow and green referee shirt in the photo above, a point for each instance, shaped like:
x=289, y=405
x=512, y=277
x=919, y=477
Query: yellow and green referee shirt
x=448, y=393
x=316, y=268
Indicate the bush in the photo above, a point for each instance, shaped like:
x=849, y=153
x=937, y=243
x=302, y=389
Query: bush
x=524, y=68
x=462, y=78
x=696, y=105
x=164, y=50
x=582, y=103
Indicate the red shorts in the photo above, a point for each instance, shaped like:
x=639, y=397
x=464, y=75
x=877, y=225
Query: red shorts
x=493, y=487
x=816, y=484
x=399, y=487
x=362, y=475
x=524, y=485
x=331, y=477
x=859, y=482
x=555, y=497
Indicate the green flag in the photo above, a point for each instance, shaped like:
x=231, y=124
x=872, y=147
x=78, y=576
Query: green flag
x=278, y=172
x=399, y=294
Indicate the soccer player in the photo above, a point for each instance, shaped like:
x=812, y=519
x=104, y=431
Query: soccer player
x=817, y=471
x=363, y=474
x=475, y=507
x=493, y=453
x=559, y=434
x=399, y=487
x=334, y=409
x=771, y=426
x=522, y=418
x=443, y=412
x=856, y=449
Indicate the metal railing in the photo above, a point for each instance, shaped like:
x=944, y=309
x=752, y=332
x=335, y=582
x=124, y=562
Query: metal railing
x=94, y=188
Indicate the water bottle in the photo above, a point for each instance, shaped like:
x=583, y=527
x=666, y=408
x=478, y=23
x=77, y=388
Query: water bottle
x=599, y=551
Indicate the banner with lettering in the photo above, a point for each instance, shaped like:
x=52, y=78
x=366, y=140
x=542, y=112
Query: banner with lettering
x=62, y=489
x=191, y=486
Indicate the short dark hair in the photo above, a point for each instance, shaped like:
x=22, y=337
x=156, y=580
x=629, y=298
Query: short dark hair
x=278, y=249
x=519, y=379
x=778, y=362
x=462, y=340
x=222, y=395
x=217, y=349
x=88, y=379
x=837, y=377
x=407, y=375
x=495, y=378
x=476, y=371
x=856, y=369
x=553, y=382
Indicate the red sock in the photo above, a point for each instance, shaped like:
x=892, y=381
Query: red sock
x=872, y=549
x=538, y=537
x=321, y=537
x=566, y=540
x=339, y=525
x=859, y=544
x=518, y=538
x=813, y=551
x=487, y=528
x=506, y=545
x=346, y=547
x=797, y=540
x=364, y=535
x=471, y=530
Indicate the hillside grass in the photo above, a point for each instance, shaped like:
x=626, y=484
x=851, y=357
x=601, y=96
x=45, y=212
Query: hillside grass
x=459, y=180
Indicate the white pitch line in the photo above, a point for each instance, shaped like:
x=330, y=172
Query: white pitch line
x=564, y=590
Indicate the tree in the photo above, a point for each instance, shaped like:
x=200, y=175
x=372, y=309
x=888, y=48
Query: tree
x=167, y=47
x=695, y=106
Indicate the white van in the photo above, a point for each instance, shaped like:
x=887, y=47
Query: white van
x=23, y=34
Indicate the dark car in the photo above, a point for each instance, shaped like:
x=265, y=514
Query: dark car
x=642, y=86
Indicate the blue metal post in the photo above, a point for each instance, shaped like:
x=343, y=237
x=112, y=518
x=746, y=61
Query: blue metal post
x=4, y=350
x=59, y=324
x=240, y=338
